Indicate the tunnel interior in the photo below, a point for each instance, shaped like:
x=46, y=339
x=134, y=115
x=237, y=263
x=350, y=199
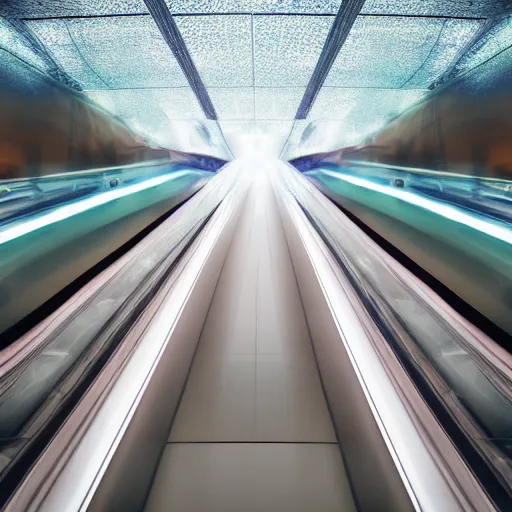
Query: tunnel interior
x=255, y=255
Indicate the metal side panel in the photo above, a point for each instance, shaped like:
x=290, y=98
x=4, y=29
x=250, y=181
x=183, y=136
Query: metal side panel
x=376, y=483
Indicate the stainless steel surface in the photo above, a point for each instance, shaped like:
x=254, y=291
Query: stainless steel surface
x=253, y=381
x=254, y=376
x=254, y=477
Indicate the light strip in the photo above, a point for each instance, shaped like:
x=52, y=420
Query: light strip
x=447, y=211
x=69, y=210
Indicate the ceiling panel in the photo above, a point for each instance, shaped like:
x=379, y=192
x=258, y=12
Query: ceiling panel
x=396, y=52
x=209, y=6
x=127, y=52
x=457, y=8
x=55, y=36
x=221, y=47
x=297, y=6
x=495, y=41
x=149, y=112
x=64, y=8
x=279, y=128
x=111, y=53
x=61, y=8
x=278, y=102
x=233, y=103
x=363, y=111
x=11, y=41
x=455, y=35
x=54, y=8
x=286, y=48
x=255, y=6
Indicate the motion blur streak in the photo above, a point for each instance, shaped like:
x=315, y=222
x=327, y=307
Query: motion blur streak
x=256, y=255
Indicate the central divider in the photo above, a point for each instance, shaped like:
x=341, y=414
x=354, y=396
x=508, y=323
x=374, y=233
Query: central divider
x=104, y=455
x=253, y=431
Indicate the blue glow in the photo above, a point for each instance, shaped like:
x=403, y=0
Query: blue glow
x=66, y=211
x=447, y=211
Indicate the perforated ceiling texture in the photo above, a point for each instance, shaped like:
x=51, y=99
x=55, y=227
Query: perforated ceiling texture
x=452, y=8
x=256, y=57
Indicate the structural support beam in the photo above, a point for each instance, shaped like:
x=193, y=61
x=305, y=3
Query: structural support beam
x=170, y=32
x=347, y=14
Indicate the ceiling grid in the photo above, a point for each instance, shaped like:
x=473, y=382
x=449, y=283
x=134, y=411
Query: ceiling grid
x=172, y=36
x=256, y=58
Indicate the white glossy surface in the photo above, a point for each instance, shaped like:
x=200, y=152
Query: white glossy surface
x=254, y=377
x=251, y=477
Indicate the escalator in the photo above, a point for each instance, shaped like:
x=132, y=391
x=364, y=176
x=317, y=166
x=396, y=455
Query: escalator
x=255, y=256
x=242, y=357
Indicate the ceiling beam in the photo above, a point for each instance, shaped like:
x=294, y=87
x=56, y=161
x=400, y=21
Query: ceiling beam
x=340, y=28
x=452, y=71
x=32, y=42
x=170, y=32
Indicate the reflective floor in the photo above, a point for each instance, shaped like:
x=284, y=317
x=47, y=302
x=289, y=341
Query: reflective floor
x=253, y=431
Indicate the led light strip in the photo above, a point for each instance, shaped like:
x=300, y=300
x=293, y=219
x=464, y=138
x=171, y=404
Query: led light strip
x=449, y=212
x=64, y=212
